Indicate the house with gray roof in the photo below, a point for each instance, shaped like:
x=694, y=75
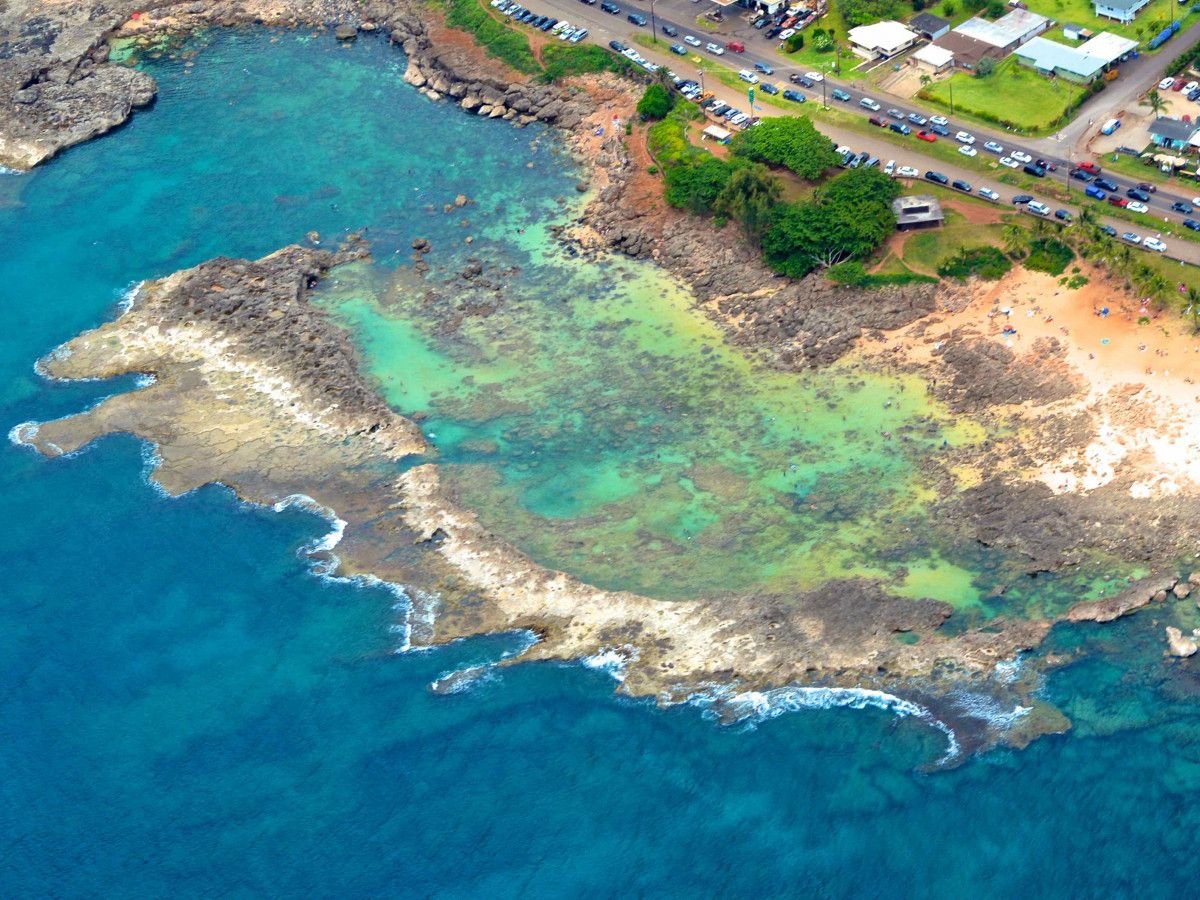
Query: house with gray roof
x=1119, y=10
x=1172, y=133
x=929, y=26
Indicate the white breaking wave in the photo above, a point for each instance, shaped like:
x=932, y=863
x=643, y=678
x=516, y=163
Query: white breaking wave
x=613, y=660
x=127, y=298
x=763, y=705
x=22, y=435
x=463, y=679
x=988, y=709
x=7, y=171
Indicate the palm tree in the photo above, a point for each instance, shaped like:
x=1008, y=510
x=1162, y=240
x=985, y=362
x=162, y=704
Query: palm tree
x=1014, y=237
x=748, y=197
x=1156, y=103
x=1193, y=308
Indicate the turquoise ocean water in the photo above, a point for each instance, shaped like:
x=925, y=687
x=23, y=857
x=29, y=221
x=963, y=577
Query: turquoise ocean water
x=186, y=710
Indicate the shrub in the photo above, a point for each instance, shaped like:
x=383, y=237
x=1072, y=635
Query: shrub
x=497, y=39
x=1049, y=255
x=822, y=42
x=988, y=263
x=561, y=61
x=794, y=43
x=854, y=274
x=655, y=104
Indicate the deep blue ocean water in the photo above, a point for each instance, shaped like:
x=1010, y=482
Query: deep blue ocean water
x=186, y=710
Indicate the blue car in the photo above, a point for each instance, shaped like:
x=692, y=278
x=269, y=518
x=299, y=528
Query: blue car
x=794, y=96
x=679, y=49
x=1095, y=193
x=767, y=88
x=764, y=68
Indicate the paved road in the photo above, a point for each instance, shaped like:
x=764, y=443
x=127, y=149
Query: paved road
x=603, y=27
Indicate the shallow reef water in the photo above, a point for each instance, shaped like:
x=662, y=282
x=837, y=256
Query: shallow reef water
x=189, y=710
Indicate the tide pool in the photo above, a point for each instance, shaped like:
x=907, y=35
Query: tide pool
x=188, y=710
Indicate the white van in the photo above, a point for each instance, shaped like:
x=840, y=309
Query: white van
x=1110, y=126
x=1037, y=208
x=748, y=76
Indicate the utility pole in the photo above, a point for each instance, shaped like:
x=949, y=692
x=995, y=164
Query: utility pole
x=653, y=24
x=824, y=100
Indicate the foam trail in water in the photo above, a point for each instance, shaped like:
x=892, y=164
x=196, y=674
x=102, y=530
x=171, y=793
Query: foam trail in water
x=763, y=705
x=989, y=709
x=459, y=680
x=23, y=434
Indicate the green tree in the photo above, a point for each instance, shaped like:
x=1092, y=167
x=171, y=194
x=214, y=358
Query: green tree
x=794, y=43
x=986, y=67
x=749, y=196
x=656, y=102
x=1193, y=308
x=847, y=219
x=1015, y=239
x=695, y=186
x=995, y=9
x=789, y=141
x=1156, y=103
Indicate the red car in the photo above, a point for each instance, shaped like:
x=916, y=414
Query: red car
x=1178, y=85
x=736, y=46
x=1090, y=167
x=926, y=136
x=1114, y=200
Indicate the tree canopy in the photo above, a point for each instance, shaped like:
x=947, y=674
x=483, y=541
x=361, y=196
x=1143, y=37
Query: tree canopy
x=696, y=185
x=788, y=141
x=655, y=103
x=849, y=218
x=748, y=196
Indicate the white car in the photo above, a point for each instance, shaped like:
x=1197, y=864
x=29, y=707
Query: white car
x=993, y=147
x=1166, y=84
x=691, y=41
x=814, y=76
x=939, y=120
x=561, y=26
x=785, y=34
x=968, y=151
x=1154, y=244
x=1037, y=208
x=748, y=76
x=989, y=194
x=1021, y=156
x=868, y=103
x=965, y=137
x=1196, y=201
x=1009, y=162
x=1135, y=206
x=907, y=172
x=714, y=49
x=890, y=168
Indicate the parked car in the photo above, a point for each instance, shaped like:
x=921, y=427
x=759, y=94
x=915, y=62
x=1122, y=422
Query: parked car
x=1109, y=230
x=989, y=194
x=794, y=96
x=896, y=114
x=611, y=8
x=941, y=130
x=1021, y=156
x=1137, y=206
x=1191, y=224
x=1043, y=164
x=1081, y=175
x=868, y=103
x=839, y=94
x=1116, y=200
x=803, y=80
x=890, y=168
x=993, y=147
x=1147, y=187
x=679, y=49
x=1009, y=162
x=964, y=186
x=1090, y=167
x=939, y=120
x=965, y=137
x=924, y=136
x=1038, y=208
x=636, y=19
x=900, y=128
x=1154, y=244
x=1094, y=192
x=747, y=76
x=815, y=77
x=1021, y=198
x=691, y=41
x=968, y=151
x=764, y=68
x=617, y=46
x=1137, y=194
x=936, y=178
x=1063, y=215
x=907, y=172
x=1166, y=84
x=1180, y=206
x=714, y=49
x=1129, y=235
x=1106, y=184
x=736, y=47
x=670, y=31
x=772, y=33
x=1035, y=171
x=878, y=122
x=918, y=119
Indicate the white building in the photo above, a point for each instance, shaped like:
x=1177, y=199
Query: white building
x=1120, y=10
x=881, y=40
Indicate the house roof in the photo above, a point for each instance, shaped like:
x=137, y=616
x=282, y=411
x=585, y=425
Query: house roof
x=1173, y=129
x=967, y=50
x=1050, y=56
x=934, y=55
x=1008, y=29
x=885, y=37
x=927, y=22
x=1107, y=46
x=1125, y=5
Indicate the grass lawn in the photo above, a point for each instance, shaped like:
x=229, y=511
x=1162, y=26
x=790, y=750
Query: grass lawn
x=1149, y=22
x=924, y=250
x=1013, y=94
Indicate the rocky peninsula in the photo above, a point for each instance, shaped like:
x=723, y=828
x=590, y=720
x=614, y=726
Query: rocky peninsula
x=255, y=388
